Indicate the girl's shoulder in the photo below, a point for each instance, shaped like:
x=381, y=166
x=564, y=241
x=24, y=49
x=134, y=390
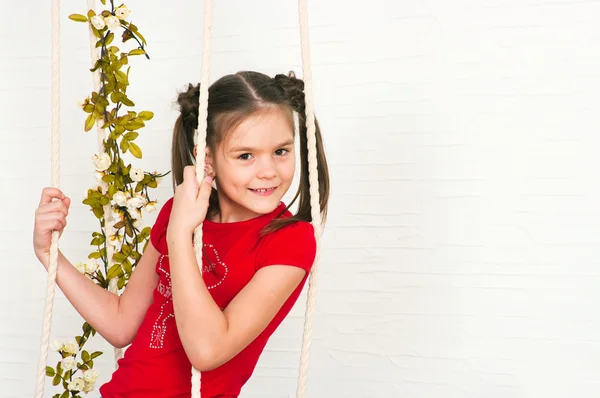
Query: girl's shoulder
x=293, y=244
x=158, y=232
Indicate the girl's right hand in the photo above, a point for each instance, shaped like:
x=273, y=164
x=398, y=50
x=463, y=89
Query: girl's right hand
x=50, y=216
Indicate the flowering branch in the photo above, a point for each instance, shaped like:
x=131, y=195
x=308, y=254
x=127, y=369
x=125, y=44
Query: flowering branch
x=122, y=189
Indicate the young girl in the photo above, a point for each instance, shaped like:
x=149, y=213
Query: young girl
x=256, y=254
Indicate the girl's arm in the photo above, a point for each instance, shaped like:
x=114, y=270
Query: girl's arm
x=211, y=337
x=116, y=318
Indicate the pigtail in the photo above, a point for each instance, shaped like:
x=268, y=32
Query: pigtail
x=182, y=150
x=294, y=93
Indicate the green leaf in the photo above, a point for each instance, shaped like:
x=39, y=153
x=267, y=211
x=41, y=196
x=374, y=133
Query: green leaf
x=56, y=380
x=97, y=241
x=118, y=257
x=126, y=250
x=129, y=230
x=108, y=178
x=138, y=34
x=135, y=124
x=132, y=135
x=98, y=212
x=91, y=13
x=78, y=18
x=85, y=356
x=127, y=101
x=109, y=38
x=96, y=32
x=104, y=200
x=94, y=255
x=124, y=145
x=65, y=394
x=146, y=115
x=137, y=51
x=114, y=271
x=89, y=122
x=135, y=150
x=135, y=255
x=127, y=267
x=96, y=354
x=121, y=77
x=96, y=65
x=50, y=371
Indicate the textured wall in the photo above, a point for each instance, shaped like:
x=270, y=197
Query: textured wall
x=460, y=258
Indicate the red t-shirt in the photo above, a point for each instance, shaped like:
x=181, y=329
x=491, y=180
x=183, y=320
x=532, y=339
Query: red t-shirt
x=155, y=365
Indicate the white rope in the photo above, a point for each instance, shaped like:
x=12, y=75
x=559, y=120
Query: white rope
x=200, y=145
x=53, y=266
x=314, y=195
x=108, y=225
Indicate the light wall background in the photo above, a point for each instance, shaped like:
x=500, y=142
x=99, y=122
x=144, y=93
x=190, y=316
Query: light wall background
x=460, y=259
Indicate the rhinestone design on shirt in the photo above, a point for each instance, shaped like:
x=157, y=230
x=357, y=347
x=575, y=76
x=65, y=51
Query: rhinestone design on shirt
x=159, y=329
x=160, y=325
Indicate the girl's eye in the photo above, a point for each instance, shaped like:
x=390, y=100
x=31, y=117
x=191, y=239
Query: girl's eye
x=245, y=156
x=281, y=152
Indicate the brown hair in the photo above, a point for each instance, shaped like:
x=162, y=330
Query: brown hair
x=231, y=99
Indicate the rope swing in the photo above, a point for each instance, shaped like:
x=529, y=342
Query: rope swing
x=200, y=154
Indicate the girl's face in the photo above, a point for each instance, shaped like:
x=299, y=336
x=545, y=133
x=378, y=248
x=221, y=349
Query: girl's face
x=254, y=165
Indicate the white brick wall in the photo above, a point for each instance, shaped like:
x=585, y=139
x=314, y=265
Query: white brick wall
x=460, y=258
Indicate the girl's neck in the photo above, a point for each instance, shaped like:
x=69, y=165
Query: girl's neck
x=230, y=212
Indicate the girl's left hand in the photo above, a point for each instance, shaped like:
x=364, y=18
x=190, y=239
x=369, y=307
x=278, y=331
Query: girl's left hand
x=190, y=203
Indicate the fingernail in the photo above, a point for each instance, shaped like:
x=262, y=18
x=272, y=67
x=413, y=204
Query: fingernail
x=208, y=179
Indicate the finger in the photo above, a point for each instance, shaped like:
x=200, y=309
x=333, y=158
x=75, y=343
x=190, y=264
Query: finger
x=50, y=193
x=57, y=206
x=189, y=173
x=51, y=223
x=67, y=202
x=205, y=189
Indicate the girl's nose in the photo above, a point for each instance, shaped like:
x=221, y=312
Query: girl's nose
x=266, y=169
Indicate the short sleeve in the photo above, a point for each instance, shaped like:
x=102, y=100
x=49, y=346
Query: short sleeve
x=292, y=245
x=158, y=233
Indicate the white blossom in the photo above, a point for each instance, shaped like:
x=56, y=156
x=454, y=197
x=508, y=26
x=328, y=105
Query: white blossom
x=76, y=385
x=135, y=214
x=68, y=363
x=112, y=22
x=101, y=162
x=119, y=198
x=71, y=347
x=122, y=12
x=136, y=174
x=137, y=224
x=89, y=387
x=136, y=202
x=91, y=267
x=98, y=22
x=115, y=240
x=80, y=267
x=151, y=207
x=56, y=345
x=90, y=375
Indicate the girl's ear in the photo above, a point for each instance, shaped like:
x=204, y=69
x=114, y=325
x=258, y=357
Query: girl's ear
x=209, y=163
